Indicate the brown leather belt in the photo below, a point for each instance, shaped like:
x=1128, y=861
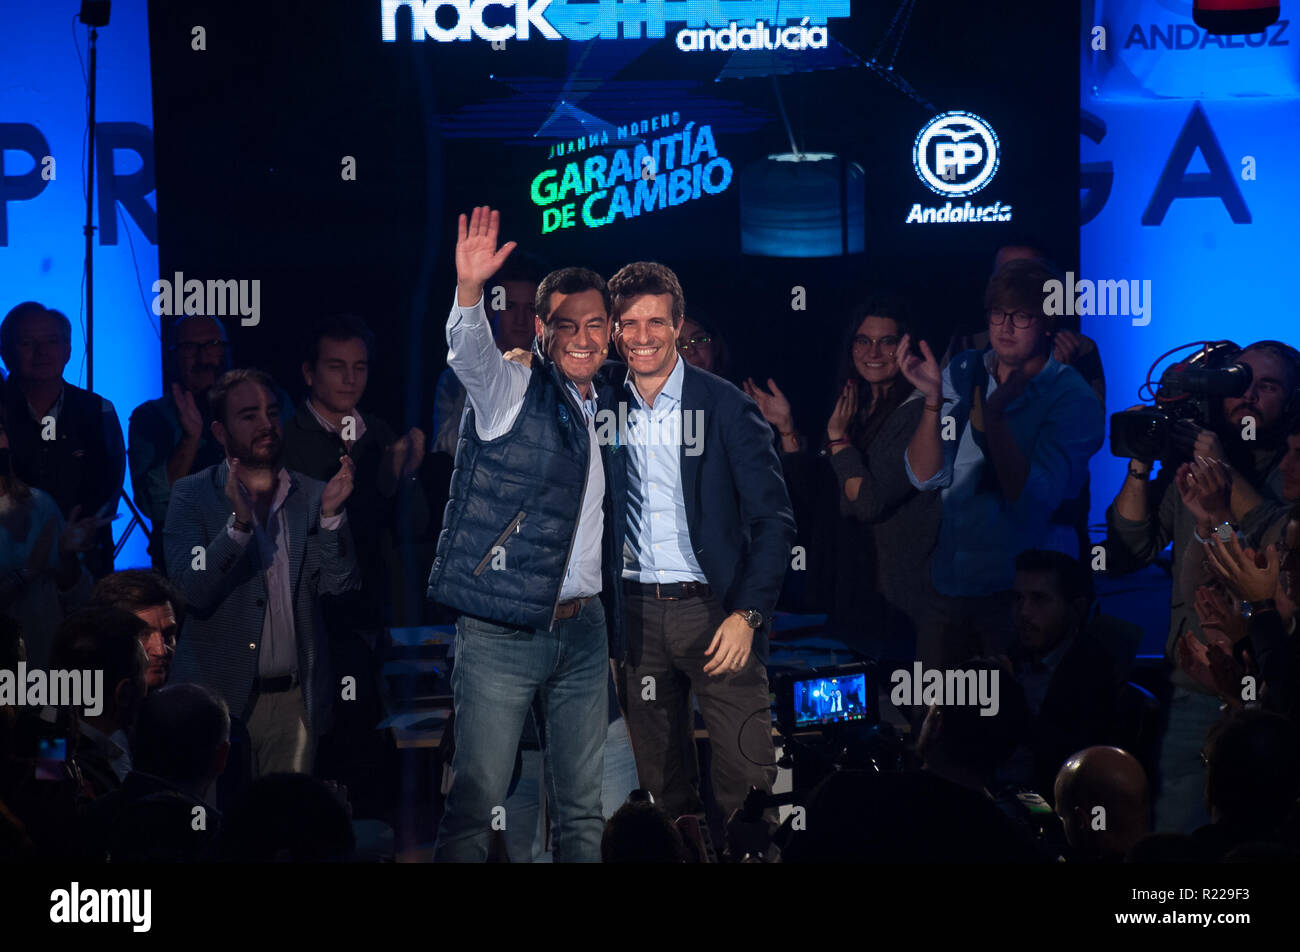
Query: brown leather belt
x=570, y=607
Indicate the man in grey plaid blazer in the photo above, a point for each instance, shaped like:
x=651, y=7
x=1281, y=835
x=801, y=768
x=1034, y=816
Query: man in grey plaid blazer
x=252, y=546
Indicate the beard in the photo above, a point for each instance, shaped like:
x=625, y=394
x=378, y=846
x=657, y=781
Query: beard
x=259, y=457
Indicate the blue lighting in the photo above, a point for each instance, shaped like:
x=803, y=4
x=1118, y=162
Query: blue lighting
x=41, y=243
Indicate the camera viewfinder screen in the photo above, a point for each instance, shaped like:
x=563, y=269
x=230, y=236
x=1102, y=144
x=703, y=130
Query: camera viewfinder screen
x=830, y=700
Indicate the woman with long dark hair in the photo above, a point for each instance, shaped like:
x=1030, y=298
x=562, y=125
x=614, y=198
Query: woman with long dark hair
x=869, y=553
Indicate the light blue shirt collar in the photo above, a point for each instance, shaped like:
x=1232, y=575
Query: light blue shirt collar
x=672, y=388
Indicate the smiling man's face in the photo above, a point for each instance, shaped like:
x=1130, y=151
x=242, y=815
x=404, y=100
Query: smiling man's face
x=577, y=336
x=647, y=337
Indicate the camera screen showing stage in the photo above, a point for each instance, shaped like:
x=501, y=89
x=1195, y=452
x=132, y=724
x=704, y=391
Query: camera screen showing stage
x=830, y=700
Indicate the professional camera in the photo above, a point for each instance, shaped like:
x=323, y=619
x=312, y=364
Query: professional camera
x=1190, y=390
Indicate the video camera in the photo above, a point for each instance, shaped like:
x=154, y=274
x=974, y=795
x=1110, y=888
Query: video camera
x=1189, y=390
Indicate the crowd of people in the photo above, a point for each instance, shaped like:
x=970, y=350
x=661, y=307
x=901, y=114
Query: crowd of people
x=612, y=497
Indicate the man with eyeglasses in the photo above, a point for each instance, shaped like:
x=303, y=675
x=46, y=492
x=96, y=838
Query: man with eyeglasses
x=169, y=438
x=1006, y=435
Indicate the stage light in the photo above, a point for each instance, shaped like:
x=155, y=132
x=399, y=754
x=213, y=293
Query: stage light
x=803, y=205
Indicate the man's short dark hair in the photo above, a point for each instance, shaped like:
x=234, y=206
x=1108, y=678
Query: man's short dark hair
x=178, y=730
x=135, y=590
x=1019, y=285
x=646, y=277
x=101, y=639
x=9, y=327
x=220, y=391
x=568, y=281
x=340, y=327
x=1073, y=578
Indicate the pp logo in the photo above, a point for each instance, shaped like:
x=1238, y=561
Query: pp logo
x=956, y=154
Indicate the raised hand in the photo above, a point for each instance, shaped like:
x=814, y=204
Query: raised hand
x=238, y=497
x=837, y=427
x=477, y=255
x=1253, y=577
x=415, y=445
x=79, y=534
x=1216, y=613
x=1212, y=666
x=1203, y=486
x=338, y=489
x=1067, y=346
x=922, y=372
x=188, y=411
x=774, y=406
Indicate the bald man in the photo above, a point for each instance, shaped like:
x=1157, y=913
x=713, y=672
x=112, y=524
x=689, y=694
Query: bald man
x=1103, y=800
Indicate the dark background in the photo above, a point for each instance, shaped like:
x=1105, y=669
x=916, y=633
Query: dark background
x=250, y=135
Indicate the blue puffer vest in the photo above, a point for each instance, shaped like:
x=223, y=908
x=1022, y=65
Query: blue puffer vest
x=513, y=509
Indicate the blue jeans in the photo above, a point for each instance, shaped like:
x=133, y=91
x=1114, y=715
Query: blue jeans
x=500, y=672
x=526, y=832
x=1180, y=807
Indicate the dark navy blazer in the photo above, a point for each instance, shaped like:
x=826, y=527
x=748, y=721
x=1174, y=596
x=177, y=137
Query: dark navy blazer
x=737, y=509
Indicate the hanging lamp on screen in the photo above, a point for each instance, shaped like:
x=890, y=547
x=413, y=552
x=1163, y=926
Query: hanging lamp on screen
x=803, y=205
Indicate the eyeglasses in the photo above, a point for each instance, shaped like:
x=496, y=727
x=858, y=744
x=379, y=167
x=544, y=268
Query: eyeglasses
x=886, y=344
x=190, y=348
x=1021, y=319
x=699, y=340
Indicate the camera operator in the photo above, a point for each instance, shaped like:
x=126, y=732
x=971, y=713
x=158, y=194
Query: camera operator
x=1247, y=437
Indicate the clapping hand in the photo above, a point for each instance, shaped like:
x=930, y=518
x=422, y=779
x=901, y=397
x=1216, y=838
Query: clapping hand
x=837, y=427
x=337, y=489
x=922, y=372
x=79, y=534
x=1252, y=576
x=1203, y=485
x=188, y=411
x=774, y=406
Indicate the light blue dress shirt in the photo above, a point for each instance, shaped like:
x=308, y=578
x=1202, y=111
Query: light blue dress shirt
x=1058, y=424
x=658, y=544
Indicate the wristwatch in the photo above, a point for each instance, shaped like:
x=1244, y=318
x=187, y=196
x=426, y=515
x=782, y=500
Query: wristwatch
x=753, y=618
x=1225, y=531
x=1250, y=609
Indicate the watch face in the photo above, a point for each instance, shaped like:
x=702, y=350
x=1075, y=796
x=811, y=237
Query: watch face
x=1224, y=532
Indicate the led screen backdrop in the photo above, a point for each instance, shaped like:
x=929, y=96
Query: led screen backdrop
x=325, y=149
x=42, y=203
